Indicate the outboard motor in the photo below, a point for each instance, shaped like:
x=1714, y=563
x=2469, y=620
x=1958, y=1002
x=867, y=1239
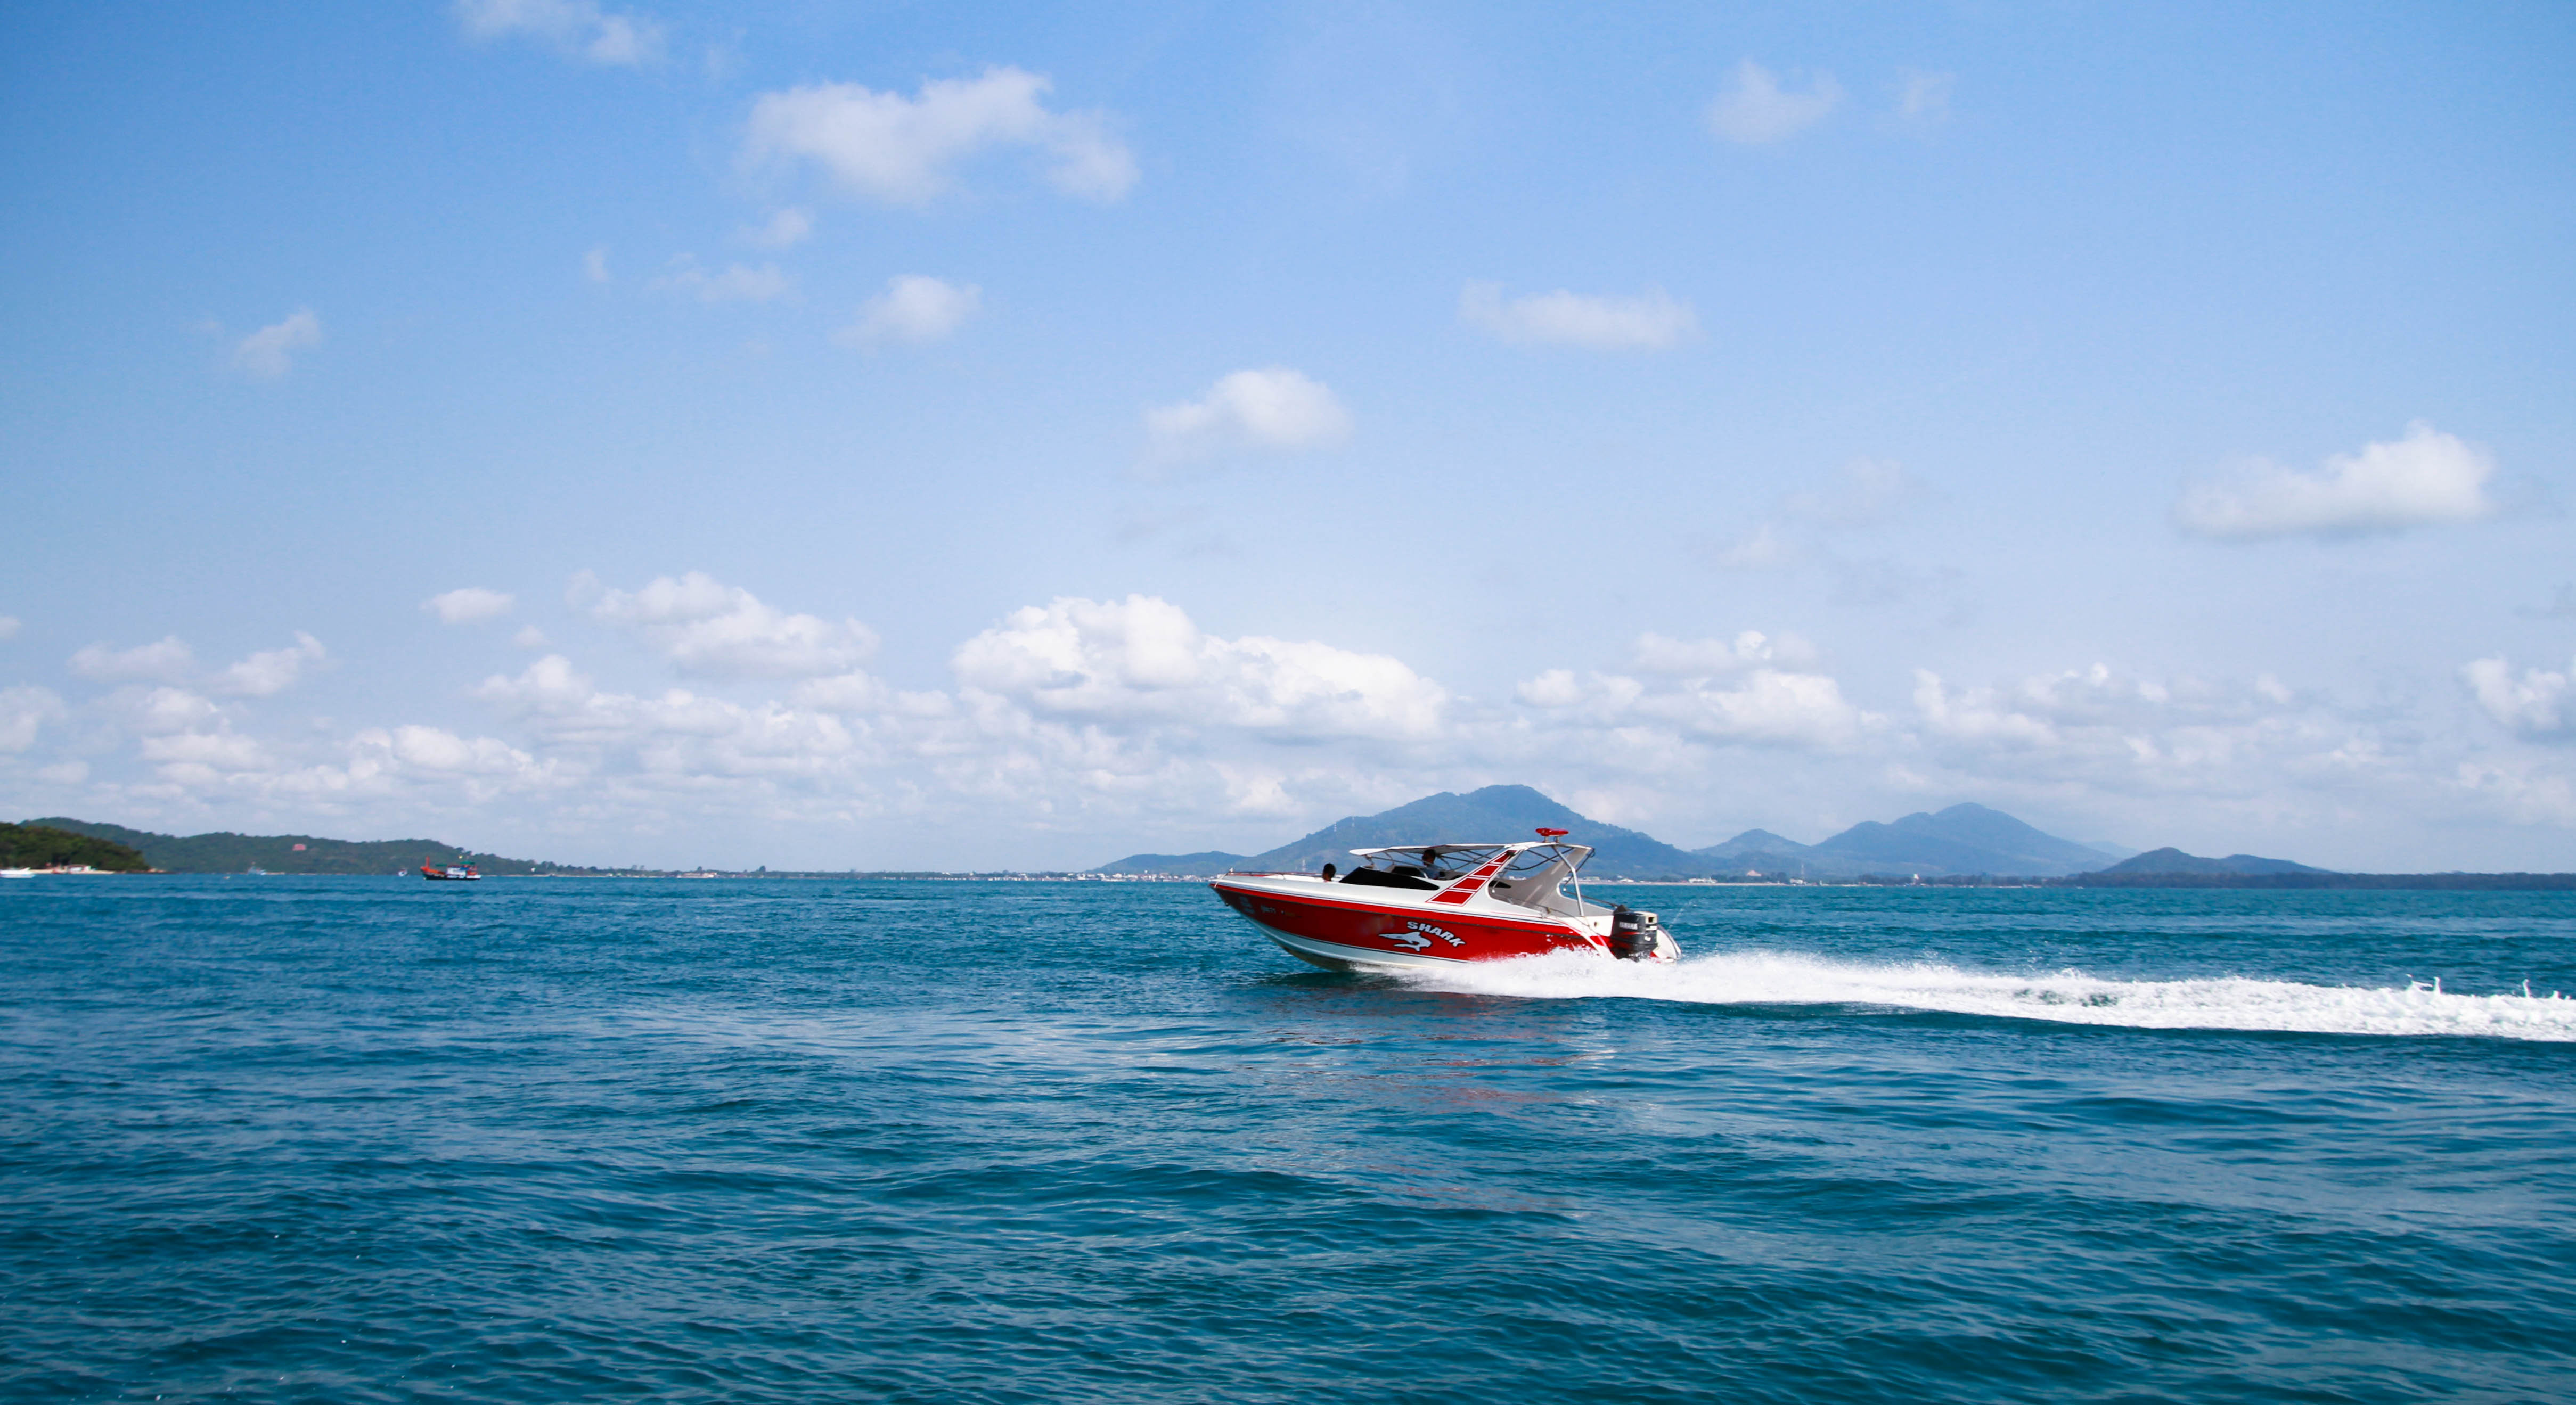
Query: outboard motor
x=1633, y=934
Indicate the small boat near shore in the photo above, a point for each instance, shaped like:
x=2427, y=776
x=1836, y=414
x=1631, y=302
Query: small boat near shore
x=450, y=873
x=1443, y=904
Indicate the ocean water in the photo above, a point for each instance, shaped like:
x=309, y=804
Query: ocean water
x=375, y=1140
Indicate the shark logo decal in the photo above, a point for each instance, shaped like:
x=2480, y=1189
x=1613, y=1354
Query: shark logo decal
x=1408, y=941
x=1442, y=933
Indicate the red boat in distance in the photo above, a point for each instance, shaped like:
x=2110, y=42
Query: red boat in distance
x=449, y=873
x=1440, y=904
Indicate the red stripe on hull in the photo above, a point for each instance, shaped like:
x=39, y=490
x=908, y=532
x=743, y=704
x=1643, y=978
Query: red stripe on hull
x=1447, y=934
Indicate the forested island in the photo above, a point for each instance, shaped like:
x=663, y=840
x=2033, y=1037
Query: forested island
x=41, y=845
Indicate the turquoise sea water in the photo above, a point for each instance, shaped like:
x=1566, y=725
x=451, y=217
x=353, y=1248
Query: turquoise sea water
x=359, y=1140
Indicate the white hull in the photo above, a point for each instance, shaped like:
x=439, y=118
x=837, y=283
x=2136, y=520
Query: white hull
x=1333, y=956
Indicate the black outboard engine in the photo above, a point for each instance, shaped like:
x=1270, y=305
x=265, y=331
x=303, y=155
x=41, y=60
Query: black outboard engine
x=1632, y=933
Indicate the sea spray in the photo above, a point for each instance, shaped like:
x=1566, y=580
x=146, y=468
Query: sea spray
x=2069, y=996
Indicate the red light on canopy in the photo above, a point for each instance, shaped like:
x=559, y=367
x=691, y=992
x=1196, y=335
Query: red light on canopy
x=1553, y=833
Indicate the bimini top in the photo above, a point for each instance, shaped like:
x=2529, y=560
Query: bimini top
x=1526, y=874
x=1439, y=862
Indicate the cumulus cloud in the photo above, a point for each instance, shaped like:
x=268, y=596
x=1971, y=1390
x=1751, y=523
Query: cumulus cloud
x=167, y=661
x=1275, y=408
x=1652, y=320
x=23, y=711
x=901, y=151
x=8, y=626
x=704, y=626
x=913, y=308
x=2424, y=479
x=594, y=265
x=736, y=283
x=272, y=671
x=468, y=603
x=1142, y=658
x=785, y=229
x=1754, y=109
x=270, y=352
x=1764, y=706
x=579, y=28
x=2540, y=704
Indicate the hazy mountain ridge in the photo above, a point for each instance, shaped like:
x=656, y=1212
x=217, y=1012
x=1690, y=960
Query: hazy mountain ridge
x=2170, y=860
x=1961, y=840
x=226, y=852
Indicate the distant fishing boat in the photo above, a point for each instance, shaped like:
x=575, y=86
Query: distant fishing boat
x=450, y=873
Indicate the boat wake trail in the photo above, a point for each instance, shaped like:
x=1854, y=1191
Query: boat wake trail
x=2069, y=997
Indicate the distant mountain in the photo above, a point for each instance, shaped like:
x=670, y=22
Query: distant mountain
x=1206, y=864
x=1497, y=814
x=48, y=846
x=1961, y=839
x=1751, y=841
x=2176, y=861
x=1964, y=839
x=225, y=852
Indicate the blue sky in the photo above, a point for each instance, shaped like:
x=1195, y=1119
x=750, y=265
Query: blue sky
x=885, y=436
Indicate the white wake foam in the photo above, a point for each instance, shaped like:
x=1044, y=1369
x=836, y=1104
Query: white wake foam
x=2071, y=997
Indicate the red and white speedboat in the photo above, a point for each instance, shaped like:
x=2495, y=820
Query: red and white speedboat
x=1438, y=904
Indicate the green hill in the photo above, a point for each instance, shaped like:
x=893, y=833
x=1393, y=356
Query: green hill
x=226, y=852
x=45, y=845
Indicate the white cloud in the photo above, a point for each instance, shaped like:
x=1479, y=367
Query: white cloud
x=1923, y=99
x=913, y=308
x=704, y=626
x=2424, y=479
x=1755, y=109
x=785, y=229
x=594, y=265
x=899, y=150
x=269, y=352
x=529, y=637
x=1703, y=658
x=165, y=662
x=736, y=283
x=271, y=672
x=23, y=711
x=156, y=712
x=1275, y=408
x=8, y=626
x=579, y=28
x=1767, y=706
x=2540, y=704
x=1142, y=658
x=1652, y=320
x=466, y=603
